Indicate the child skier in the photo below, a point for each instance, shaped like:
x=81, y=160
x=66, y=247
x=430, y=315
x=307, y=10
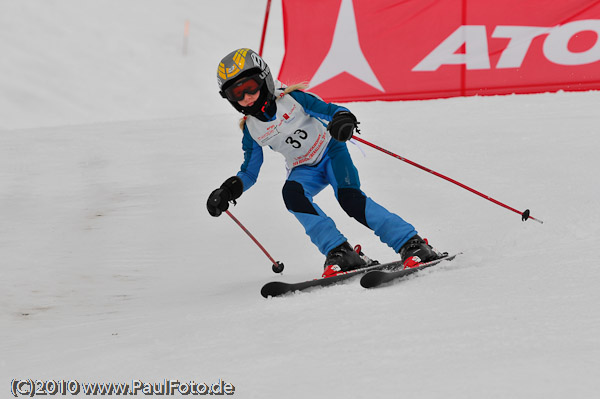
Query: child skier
x=301, y=126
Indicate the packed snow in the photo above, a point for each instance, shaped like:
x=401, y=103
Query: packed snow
x=111, y=139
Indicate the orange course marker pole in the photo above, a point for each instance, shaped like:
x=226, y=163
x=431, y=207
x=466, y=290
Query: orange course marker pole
x=186, y=35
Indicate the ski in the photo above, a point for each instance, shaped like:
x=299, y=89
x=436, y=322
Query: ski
x=375, y=278
x=277, y=288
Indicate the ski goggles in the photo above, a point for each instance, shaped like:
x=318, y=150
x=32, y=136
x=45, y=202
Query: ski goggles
x=238, y=90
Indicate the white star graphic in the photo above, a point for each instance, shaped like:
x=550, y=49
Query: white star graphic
x=345, y=54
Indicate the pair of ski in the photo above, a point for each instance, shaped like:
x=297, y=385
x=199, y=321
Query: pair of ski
x=372, y=276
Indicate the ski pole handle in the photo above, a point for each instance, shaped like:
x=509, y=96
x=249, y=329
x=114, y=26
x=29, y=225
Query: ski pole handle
x=277, y=266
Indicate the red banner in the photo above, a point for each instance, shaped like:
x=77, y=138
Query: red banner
x=357, y=50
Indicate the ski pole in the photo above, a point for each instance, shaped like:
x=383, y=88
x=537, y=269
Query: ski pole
x=264, y=31
x=277, y=266
x=524, y=215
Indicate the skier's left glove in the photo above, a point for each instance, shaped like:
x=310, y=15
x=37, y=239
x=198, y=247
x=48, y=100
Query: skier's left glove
x=342, y=126
x=218, y=200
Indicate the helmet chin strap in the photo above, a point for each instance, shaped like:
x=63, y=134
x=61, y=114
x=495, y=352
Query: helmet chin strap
x=257, y=110
x=264, y=106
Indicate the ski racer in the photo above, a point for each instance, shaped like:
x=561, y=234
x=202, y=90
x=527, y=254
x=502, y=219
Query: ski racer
x=311, y=134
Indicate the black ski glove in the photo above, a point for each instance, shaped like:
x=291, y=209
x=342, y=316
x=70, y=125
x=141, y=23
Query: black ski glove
x=342, y=126
x=218, y=200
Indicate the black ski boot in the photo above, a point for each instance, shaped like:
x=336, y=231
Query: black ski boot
x=417, y=251
x=343, y=258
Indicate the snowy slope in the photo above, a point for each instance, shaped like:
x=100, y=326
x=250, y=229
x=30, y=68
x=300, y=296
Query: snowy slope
x=112, y=270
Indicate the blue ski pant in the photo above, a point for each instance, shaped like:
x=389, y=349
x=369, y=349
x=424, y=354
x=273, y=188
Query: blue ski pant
x=337, y=169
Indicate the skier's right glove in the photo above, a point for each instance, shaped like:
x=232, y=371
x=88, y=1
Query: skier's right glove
x=218, y=200
x=342, y=125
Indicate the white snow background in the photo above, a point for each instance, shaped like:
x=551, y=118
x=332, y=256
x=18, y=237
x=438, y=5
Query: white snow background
x=111, y=269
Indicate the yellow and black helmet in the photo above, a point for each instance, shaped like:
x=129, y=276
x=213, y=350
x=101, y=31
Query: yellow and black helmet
x=244, y=71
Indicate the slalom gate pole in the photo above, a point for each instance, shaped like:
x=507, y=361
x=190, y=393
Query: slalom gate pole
x=264, y=31
x=524, y=215
x=277, y=266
